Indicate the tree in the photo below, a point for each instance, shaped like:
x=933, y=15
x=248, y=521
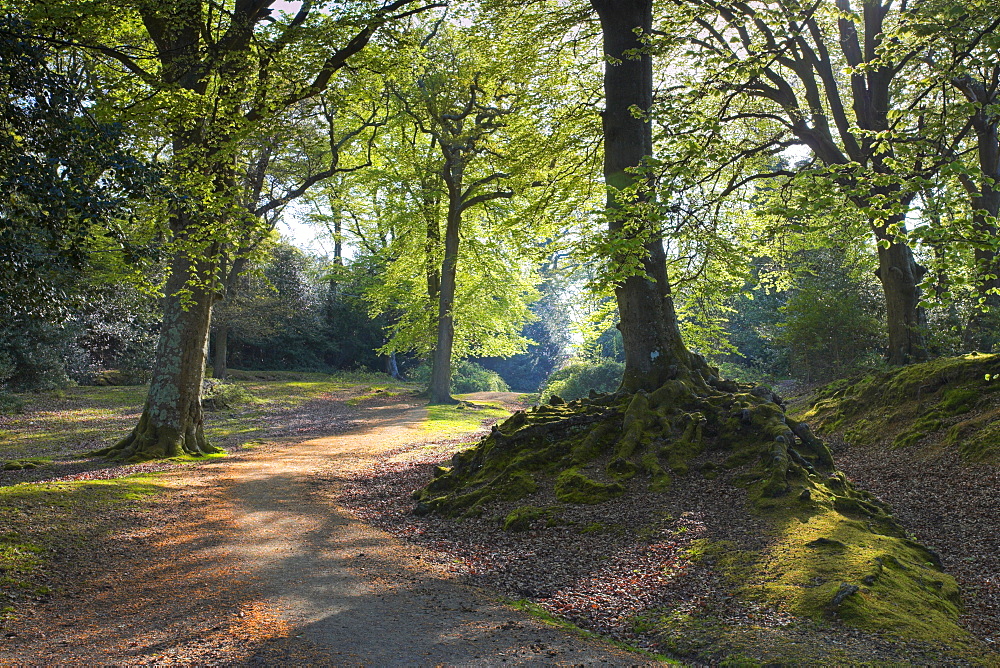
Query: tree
x=70, y=183
x=302, y=152
x=654, y=351
x=967, y=44
x=465, y=105
x=474, y=169
x=215, y=77
x=778, y=68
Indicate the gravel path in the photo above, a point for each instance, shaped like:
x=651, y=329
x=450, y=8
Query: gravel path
x=249, y=561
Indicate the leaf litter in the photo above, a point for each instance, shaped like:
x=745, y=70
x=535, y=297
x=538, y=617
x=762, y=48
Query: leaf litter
x=617, y=568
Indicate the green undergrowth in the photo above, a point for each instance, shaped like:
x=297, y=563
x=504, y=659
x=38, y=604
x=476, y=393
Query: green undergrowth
x=461, y=418
x=834, y=552
x=946, y=403
x=47, y=521
x=543, y=615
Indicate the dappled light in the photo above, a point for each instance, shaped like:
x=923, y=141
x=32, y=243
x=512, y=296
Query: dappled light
x=610, y=332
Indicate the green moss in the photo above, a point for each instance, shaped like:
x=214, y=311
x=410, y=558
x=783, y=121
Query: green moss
x=829, y=565
x=919, y=405
x=522, y=518
x=574, y=487
x=827, y=538
x=593, y=527
x=540, y=613
x=977, y=439
x=31, y=463
x=461, y=418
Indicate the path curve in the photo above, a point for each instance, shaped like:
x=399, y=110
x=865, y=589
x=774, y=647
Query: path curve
x=255, y=564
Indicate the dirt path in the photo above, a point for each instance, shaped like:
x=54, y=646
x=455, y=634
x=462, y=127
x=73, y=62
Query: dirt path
x=247, y=562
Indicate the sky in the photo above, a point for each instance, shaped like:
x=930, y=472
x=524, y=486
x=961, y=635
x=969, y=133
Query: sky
x=286, y=6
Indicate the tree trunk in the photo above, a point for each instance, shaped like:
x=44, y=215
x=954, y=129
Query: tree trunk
x=654, y=352
x=172, y=419
x=440, y=388
x=900, y=276
x=431, y=267
x=980, y=332
x=391, y=367
x=219, y=364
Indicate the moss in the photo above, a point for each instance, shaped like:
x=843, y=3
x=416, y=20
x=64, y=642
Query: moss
x=978, y=439
x=31, y=463
x=453, y=420
x=593, y=527
x=829, y=565
x=524, y=517
x=594, y=443
x=923, y=405
x=827, y=536
x=574, y=487
x=540, y=613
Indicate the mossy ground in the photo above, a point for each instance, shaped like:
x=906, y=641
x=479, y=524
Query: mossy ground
x=70, y=422
x=833, y=551
x=461, y=418
x=544, y=615
x=952, y=402
x=46, y=521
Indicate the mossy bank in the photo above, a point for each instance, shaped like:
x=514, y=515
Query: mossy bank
x=833, y=553
x=952, y=402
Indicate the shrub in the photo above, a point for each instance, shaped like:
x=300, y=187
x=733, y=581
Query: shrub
x=10, y=403
x=219, y=395
x=578, y=378
x=466, y=377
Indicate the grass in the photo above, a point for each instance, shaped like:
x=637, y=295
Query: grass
x=459, y=419
x=66, y=423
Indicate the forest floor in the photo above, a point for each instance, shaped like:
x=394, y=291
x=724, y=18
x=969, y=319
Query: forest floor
x=301, y=549
x=250, y=560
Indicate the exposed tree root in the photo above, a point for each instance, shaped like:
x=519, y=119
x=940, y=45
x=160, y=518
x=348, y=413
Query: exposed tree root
x=595, y=449
x=657, y=434
x=148, y=441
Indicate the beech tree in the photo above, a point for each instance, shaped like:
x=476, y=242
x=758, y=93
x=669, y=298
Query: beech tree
x=654, y=351
x=962, y=43
x=209, y=74
x=816, y=74
x=308, y=144
x=479, y=166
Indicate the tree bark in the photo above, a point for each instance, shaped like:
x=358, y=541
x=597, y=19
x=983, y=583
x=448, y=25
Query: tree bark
x=219, y=363
x=980, y=331
x=391, y=367
x=654, y=352
x=906, y=323
x=172, y=421
x=440, y=387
